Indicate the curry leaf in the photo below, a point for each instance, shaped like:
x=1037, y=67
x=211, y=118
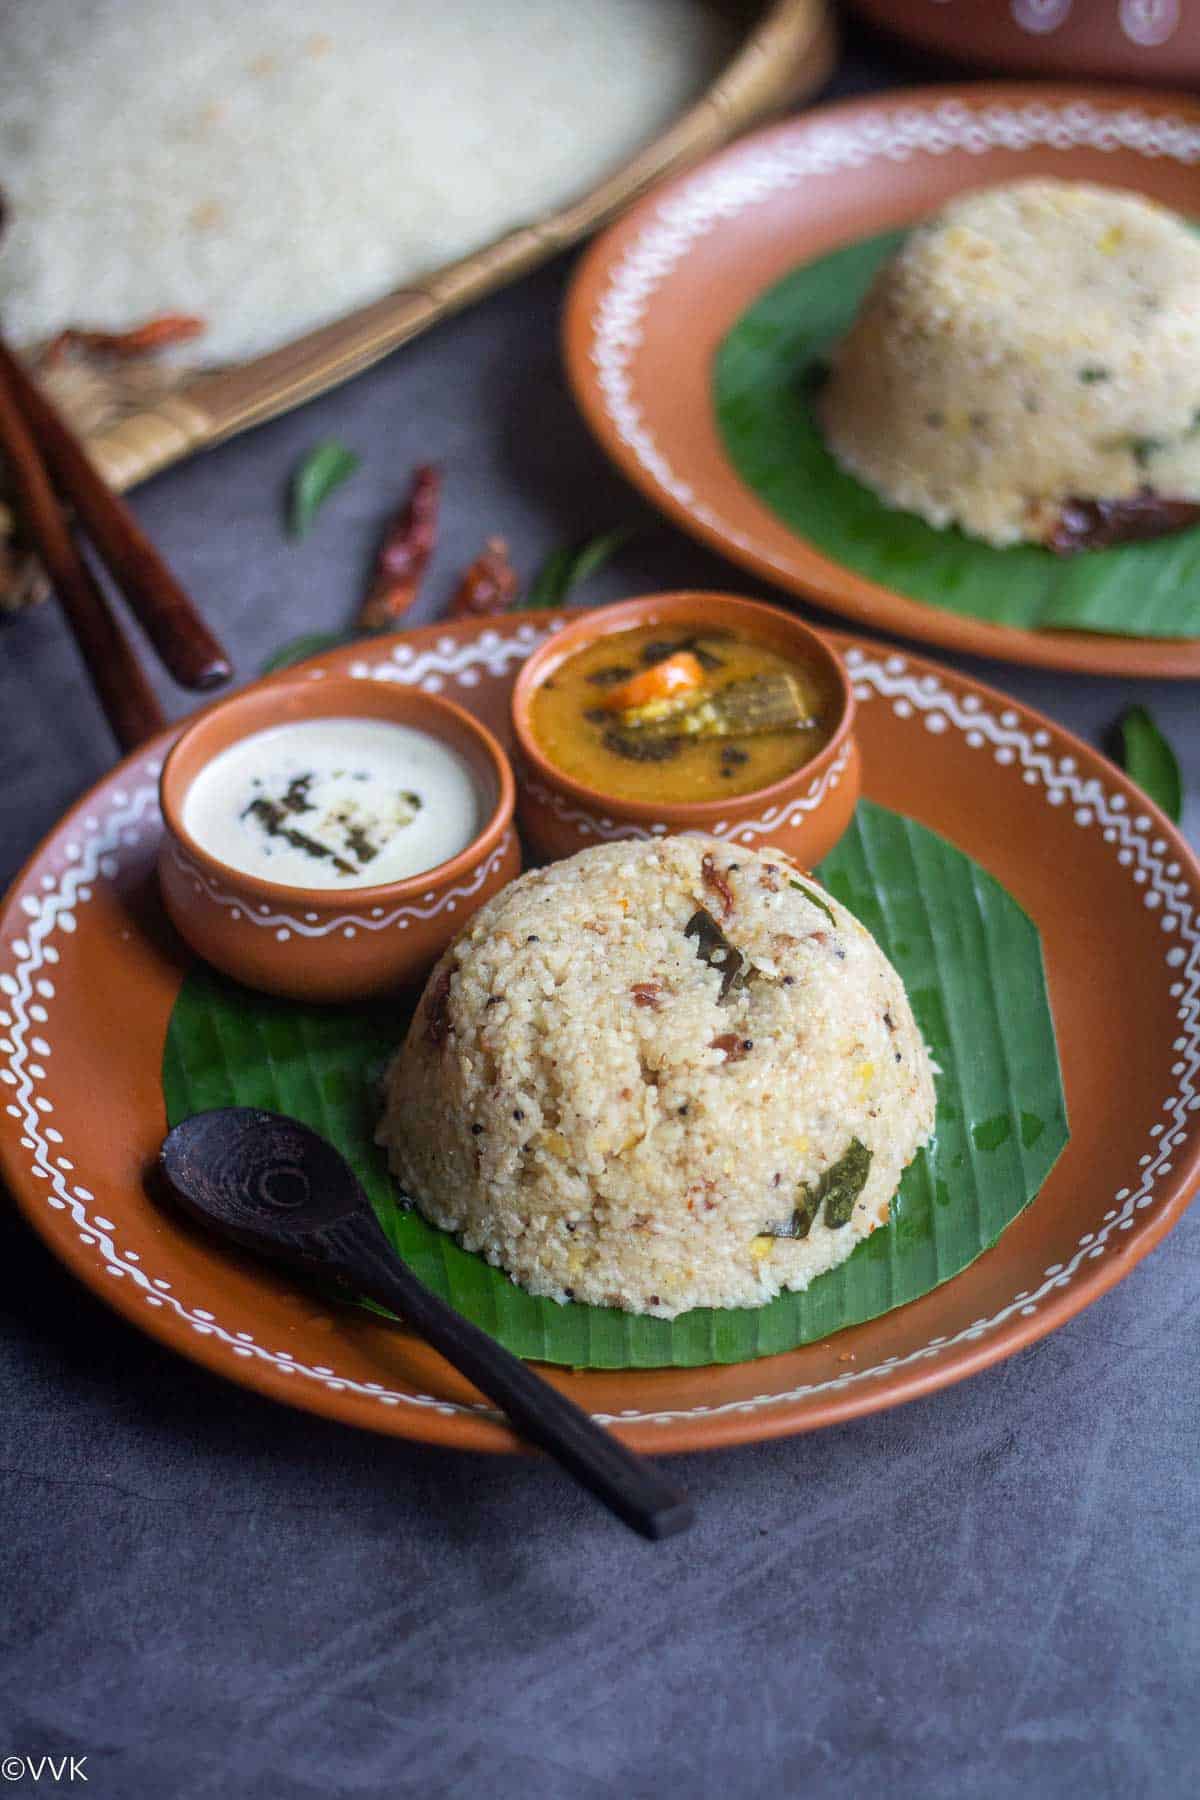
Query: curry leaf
x=315, y=477
x=299, y=649
x=837, y=1188
x=815, y=900
x=568, y=567
x=1149, y=759
x=715, y=949
x=842, y=1184
x=803, y=1216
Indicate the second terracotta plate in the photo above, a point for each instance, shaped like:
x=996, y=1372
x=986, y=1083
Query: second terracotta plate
x=89, y=972
x=654, y=297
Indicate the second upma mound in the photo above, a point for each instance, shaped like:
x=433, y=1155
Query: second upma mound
x=1032, y=347
x=659, y=1076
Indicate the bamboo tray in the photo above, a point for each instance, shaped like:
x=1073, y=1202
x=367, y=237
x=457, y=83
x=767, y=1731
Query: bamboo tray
x=140, y=418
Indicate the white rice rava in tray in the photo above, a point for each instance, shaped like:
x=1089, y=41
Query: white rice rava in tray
x=271, y=167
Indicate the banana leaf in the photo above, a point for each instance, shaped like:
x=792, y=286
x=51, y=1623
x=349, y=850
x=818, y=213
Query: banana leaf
x=971, y=960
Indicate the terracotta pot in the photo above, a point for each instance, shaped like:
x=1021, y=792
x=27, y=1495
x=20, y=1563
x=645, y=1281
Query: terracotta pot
x=1130, y=40
x=803, y=815
x=322, y=943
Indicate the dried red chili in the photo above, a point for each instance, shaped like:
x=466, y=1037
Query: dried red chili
x=407, y=545
x=713, y=878
x=140, y=340
x=437, y=1007
x=489, y=585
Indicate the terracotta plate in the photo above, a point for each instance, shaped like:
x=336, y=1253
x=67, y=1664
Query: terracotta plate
x=654, y=297
x=89, y=970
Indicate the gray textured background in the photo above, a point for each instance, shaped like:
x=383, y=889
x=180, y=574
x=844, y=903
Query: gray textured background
x=993, y=1592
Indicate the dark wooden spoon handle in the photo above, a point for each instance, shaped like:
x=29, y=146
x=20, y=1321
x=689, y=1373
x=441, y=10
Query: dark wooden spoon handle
x=276, y=1187
x=630, y=1485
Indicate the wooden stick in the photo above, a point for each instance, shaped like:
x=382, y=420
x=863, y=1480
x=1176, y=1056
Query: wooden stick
x=170, y=620
x=118, y=678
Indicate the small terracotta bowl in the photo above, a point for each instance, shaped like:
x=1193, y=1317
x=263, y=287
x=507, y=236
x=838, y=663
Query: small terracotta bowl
x=803, y=815
x=320, y=943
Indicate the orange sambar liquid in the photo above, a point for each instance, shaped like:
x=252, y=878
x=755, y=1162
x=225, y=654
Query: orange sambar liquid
x=569, y=723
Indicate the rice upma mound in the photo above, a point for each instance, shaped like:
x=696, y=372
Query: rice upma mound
x=1030, y=351
x=635, y=1067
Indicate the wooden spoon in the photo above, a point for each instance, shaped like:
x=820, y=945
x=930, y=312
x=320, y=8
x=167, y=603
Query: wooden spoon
x=276, y=1187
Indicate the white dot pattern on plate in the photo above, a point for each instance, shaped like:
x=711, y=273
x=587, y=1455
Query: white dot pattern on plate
x=887, y=681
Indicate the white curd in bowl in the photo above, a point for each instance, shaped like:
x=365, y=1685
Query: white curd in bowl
x=335, y=803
